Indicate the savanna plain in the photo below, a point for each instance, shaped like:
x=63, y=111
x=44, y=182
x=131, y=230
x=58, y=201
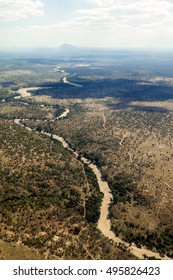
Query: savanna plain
x=114, y=110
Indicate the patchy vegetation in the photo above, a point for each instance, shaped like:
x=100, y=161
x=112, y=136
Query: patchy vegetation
x=121, y=120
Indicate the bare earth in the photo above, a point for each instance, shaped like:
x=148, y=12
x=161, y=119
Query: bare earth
x=25, y=92
x=104, y=222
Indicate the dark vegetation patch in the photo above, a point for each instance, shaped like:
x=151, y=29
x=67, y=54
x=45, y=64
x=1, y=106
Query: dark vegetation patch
x=127, y=105
x=94, y=201
x=127, y=90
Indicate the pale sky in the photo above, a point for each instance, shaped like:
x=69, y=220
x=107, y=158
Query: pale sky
x=96, y=23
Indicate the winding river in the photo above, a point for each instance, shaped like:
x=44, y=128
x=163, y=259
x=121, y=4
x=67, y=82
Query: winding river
x=65, y=81
x=104, y=224
x=26, y=92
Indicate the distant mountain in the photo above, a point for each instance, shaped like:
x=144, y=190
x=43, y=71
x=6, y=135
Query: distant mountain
x=67, y=47
x=64, y=49
x=71, y=51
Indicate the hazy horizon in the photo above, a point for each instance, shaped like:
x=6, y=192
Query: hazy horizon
x=59, y=49
x=118, y=24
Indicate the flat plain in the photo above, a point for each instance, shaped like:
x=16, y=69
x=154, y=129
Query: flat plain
x=120, y=118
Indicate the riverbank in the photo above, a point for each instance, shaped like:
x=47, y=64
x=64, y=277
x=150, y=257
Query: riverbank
x=26, y=92
x=65, y=81
x=104, y=224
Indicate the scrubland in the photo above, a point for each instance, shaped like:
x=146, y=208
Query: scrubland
x=49, y=201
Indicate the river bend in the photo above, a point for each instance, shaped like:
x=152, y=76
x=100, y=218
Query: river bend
x=103, y=224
